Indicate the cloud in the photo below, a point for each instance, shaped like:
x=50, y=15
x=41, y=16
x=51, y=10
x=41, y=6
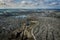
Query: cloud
x=20, y=4
x=29, y=3
x=1, y=0
x=1, y=3
x=24, y=3
x=8, y=1
x=53, y=3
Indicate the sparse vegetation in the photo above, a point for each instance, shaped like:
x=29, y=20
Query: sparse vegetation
x=48, y=28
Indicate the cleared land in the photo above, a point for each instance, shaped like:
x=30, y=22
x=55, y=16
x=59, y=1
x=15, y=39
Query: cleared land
x=47, y=29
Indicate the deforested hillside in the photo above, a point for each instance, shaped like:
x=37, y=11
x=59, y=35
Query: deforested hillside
x=47, y=27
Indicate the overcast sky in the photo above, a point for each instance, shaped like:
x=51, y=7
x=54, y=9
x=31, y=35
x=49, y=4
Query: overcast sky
x=30, y=4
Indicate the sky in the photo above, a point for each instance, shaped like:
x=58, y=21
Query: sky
x=51, y=4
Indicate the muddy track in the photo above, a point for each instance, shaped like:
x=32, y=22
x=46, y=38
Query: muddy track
x=48, y=29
